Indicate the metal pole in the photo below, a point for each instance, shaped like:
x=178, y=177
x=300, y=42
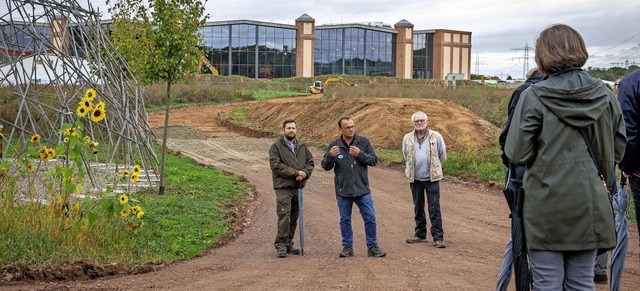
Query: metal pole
x=301, y=224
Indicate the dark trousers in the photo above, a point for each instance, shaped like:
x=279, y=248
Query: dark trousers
x=634, y=184
x=288, y=210
x=432, y=189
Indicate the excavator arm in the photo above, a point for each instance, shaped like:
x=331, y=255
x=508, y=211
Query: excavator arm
x=203, y=61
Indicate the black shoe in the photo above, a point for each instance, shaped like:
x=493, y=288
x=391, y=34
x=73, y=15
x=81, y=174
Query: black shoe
x=600, y=278
x=375, y=251
x=347, y=251
x=282, y=253
x=292, y=250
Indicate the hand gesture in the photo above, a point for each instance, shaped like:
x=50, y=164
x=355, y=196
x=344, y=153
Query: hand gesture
x=335, y=150
x=354, y=151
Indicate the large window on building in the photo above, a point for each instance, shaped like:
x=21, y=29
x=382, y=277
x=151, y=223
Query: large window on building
x=353, y=51
x=423, y=55
x=251, y=50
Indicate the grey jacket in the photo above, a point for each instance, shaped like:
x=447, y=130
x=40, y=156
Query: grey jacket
x=285, y=165
x=566, y=207
x=351, y=174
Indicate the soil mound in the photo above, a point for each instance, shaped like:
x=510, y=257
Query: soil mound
x=383, y=120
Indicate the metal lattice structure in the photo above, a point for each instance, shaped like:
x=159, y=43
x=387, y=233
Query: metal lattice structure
x=51, y=52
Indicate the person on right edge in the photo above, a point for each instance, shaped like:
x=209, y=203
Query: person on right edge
x=629, y=97
x=557, y=122
x=424, y=151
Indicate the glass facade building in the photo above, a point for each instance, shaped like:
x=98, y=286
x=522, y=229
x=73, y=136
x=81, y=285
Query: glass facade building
x=251, y=49
x=423, y=54
x=256, y=49
x=353, y=50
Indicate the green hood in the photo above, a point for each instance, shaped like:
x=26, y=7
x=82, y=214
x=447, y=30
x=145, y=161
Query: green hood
x=575, y=97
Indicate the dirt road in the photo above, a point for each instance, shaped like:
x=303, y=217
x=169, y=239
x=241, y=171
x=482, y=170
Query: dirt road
x=475, y=221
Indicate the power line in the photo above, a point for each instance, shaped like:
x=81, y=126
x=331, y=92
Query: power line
x=526, y=49
x=477, y=64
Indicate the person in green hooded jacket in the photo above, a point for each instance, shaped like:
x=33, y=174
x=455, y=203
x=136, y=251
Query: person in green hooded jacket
x=567, y=213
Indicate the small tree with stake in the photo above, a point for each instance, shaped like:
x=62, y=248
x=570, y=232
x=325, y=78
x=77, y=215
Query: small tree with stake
x=159, y=39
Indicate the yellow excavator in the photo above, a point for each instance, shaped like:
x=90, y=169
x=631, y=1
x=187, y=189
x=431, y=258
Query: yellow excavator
x=319, y=86
x=203, y=61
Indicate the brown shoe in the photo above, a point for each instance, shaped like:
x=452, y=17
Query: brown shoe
x=439, y=244
x=415, y=239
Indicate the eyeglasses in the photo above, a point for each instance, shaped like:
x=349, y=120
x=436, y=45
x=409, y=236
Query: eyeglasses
x=419, y=121
x=353, y=127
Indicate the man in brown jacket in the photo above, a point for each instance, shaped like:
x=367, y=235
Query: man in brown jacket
x=291, y=165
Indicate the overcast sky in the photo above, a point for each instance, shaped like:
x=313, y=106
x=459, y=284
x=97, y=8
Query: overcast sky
x=501, y=29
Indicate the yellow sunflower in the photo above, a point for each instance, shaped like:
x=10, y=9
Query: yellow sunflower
x=137, y=168
x=124, y=199
x=86, y=102
x=51, y=153
x=30, y=167
x=90, y=94
x=140, y=214
x=98, y=114
x=73, y=131
x=35, y=138
x=43, y=153
x=136, y=209
x=100, y=105
x=125, y=212
x=134, y=177
x=66, y=139
x=125, y=173
x=82, y=111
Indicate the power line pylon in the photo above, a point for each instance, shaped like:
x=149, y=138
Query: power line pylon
x=526, y=50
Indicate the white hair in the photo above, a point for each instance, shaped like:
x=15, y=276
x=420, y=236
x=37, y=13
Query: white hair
x=413, y=116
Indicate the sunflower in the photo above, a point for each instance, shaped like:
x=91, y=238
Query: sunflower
x=51, y=153
x=86, y=139
x=140, y=214
x=98, y=114
x=43, y=152
x=66, y=139
x=100, y=105
x=137, y=168
x=30, y=167
x=141, y=225
x=125, y=212
x=134, y=177
x=136, y=209
x=131, y=226
x=90, y=94
x=125, y=173
x=73, y=131
x=124, y=199
x=82, y=111
x=35, y=138
x=86, y=102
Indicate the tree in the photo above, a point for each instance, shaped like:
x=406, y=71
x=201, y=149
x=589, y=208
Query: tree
x=160, y=42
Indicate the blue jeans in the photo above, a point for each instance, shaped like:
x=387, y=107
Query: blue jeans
x=634, y=184
x=418, y=189
x=365, y=205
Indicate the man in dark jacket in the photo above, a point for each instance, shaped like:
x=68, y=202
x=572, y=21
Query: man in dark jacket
x=629, y=98
x=291, y=165
x=349, y=156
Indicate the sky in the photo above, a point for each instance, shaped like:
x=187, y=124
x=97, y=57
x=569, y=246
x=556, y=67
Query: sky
x=501, y=29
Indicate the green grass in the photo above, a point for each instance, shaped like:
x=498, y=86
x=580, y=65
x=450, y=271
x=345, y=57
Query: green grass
x=240, y=113
x=269, y=94
x=187, y=219
x=468, y=164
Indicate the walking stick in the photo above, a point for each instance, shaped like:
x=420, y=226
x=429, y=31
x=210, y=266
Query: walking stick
x=301, y=225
